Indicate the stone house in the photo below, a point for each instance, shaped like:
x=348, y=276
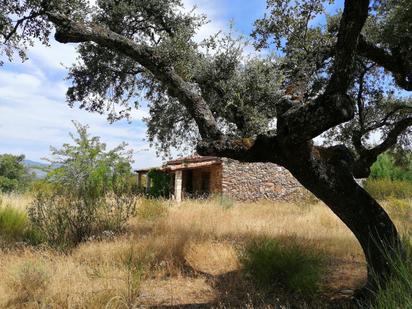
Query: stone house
x=204, y=175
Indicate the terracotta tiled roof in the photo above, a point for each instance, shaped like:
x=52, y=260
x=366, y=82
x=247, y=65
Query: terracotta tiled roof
x=193, y=159
x=173, y=164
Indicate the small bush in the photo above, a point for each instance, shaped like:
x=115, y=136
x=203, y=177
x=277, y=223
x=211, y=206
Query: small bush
x=296, y=268
x=87, y=193
x=13, y=224
x=160, y=184
x=384, y=188
x=67, y=220
x=151, y=209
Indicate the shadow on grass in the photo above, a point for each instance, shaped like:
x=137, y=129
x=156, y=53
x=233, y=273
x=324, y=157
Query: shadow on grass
x=244, y=289
x=234, y=291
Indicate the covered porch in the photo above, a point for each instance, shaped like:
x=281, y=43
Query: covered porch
x=192, y=177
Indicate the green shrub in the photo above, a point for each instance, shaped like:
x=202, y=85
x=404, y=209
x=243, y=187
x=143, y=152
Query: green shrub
x=151, y=209
x=34, y=236
x=87, y=193
x=13, y=224
x=397, y=291
x=66, y=221
x=292, y=266
x=160, y=184
x=43, y=186
x=384, y=188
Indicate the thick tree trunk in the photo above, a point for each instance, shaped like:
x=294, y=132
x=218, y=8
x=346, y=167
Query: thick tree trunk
x=326, y=172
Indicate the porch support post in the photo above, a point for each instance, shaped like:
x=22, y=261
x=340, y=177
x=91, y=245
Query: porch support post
x=178, y=186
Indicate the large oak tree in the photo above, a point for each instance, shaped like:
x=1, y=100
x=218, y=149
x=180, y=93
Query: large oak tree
x=347, y=80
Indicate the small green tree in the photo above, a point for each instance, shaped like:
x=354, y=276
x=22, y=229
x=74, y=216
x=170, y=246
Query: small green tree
x=13, y=173
x=91, y=191
x=86, y=168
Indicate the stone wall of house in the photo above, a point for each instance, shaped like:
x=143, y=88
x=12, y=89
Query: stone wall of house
x=254, y=181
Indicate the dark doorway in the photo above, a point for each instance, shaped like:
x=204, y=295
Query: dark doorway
x=188, y=181
x=205, y=183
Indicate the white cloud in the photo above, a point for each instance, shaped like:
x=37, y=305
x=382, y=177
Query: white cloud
x=34, y=115
x=211, y=10
x=55, y=57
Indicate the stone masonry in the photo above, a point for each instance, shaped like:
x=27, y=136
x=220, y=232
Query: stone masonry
x=254, y=181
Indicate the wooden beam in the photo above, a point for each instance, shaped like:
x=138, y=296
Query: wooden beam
x=190, y=165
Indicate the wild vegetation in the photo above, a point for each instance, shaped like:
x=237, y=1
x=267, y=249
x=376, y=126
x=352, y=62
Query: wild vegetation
x=346, y=78
x=201, y=252
x=344, y=75
x=14, y=176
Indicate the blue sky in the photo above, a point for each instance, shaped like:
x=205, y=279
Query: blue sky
x=33, y=111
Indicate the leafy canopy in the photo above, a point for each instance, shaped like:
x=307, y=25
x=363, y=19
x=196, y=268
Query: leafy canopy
x=136, y=51
x=13, y=173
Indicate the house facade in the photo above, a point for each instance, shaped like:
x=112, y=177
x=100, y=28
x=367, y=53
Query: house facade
x=200, y=176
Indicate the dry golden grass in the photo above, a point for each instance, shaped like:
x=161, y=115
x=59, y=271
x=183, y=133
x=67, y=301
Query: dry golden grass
x=19, y=201
x=187, y=256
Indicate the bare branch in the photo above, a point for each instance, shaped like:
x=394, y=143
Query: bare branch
x=394, y=64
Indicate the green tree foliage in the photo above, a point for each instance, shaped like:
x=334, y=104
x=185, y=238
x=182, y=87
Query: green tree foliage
x=386, y=167
x=87, y=193
x=86, y=168
x=13, y=173
x=160, y=184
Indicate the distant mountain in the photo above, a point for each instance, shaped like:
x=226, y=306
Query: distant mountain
x=30, y=163
x=38, y=168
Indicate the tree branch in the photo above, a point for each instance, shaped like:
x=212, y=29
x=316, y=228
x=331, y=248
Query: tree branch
x=263, y=148
x=304, y=122
x=19, y=22
x=368, y=157
x=391, y=63
x=68, y=31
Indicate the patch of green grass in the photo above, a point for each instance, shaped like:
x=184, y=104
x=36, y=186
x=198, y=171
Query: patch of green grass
x=397, y=291
x=151, y=209
x=383, y=188
x=296, y=268
x=13, y=224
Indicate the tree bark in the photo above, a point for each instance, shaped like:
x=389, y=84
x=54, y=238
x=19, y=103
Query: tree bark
x=326, y=172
